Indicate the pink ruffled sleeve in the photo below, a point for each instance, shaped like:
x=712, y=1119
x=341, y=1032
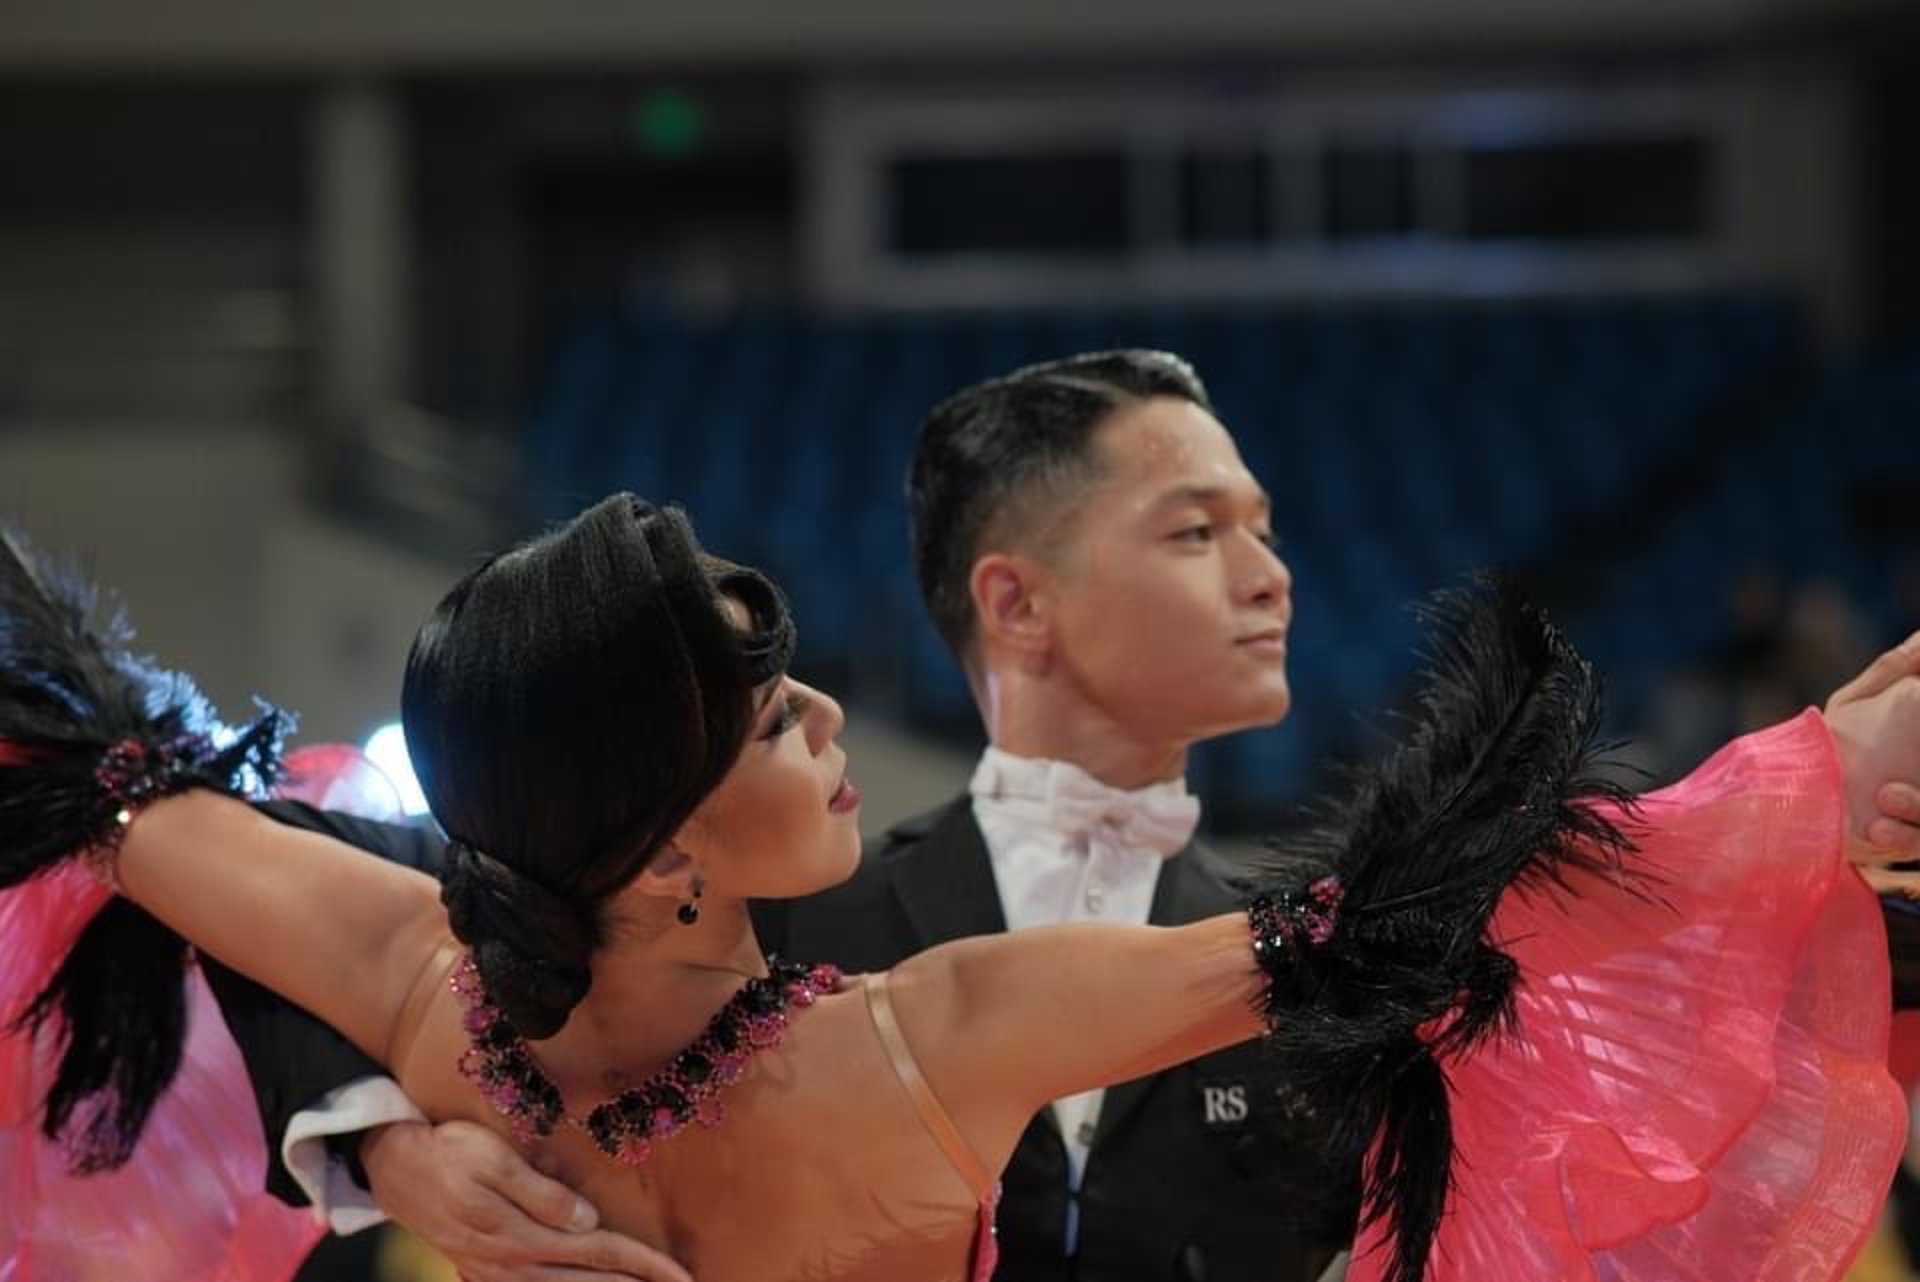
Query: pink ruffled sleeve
x=1699, y=1091
x=191, y=1205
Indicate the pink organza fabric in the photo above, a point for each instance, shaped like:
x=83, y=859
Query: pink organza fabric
x=1699, y=1091
x=338, y=776
x=191, y=1205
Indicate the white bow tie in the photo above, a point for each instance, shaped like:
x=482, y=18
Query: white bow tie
x=1159, y=819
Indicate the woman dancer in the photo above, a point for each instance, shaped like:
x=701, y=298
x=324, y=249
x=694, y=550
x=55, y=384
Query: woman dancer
x=604, y=727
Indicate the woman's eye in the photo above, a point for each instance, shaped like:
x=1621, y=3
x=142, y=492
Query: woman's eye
x=792, y=709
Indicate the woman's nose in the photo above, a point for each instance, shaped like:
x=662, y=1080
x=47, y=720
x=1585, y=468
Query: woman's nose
x=827, y=719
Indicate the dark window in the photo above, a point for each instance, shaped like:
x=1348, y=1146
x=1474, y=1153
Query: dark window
x=1226, y=194
x=1058, y=203
x=1367, y=190
x=1588, y=190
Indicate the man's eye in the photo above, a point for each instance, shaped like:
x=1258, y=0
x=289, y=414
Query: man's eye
x=1195, y=534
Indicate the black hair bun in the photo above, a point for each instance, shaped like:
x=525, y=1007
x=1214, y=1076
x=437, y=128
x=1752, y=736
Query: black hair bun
x=532, y=945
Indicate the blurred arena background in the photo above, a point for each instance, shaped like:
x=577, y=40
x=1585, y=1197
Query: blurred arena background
x=304, y=307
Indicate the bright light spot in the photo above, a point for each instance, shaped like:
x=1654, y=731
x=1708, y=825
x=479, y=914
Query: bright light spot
x=387, y=748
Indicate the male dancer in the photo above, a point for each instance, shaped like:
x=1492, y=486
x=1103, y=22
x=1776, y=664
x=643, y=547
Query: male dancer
x=1093, y=549
x=1091, y=545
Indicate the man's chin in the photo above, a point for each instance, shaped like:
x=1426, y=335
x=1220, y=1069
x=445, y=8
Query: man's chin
x=1268, y=712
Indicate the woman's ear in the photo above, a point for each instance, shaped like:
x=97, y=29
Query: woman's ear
x=671, y=874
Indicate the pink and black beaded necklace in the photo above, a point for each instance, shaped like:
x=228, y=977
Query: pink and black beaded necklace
x=628, y=1125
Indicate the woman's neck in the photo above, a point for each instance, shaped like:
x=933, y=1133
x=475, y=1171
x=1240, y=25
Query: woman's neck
x=656, y=986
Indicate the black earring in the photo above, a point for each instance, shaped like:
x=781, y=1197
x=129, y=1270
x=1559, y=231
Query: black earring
x=689, y=912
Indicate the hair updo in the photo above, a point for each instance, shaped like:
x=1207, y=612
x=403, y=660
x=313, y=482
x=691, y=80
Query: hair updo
x=567, y=706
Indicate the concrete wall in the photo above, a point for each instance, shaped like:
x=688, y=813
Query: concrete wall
x=253, y=34
x=223, y=569
x=227, y=573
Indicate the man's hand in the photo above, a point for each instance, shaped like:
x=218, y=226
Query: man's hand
x=1875, y=719
x=465, y=1192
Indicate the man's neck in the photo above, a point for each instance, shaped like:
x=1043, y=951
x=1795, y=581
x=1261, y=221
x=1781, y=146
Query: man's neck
x=1036, y=718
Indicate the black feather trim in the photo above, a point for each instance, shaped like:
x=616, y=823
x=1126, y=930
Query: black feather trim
x=1492, y=788
x=73, y=701
x=120, y=1016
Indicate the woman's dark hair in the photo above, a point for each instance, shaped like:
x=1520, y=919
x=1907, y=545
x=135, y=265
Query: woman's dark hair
x=568, y=705
x=1021, y=441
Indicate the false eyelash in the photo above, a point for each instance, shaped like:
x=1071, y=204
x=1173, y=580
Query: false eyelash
x=793, y=708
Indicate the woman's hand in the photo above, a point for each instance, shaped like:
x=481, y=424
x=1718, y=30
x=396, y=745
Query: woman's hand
x=1875, y=719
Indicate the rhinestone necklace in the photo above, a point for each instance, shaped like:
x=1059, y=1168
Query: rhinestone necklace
x=627, y=1126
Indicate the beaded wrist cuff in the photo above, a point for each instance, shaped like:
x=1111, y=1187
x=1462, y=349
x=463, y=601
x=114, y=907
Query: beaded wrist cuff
x=132, y=775
x=1295, y=919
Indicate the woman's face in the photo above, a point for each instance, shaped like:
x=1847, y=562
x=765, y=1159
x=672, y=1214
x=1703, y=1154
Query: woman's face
x=784, y=822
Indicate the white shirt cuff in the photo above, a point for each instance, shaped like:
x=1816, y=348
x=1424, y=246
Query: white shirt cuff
x=338, y=1200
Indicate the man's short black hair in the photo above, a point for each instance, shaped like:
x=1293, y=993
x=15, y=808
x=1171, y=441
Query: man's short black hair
x=996, y=458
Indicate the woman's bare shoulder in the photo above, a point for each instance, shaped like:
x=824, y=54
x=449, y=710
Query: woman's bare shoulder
x=428, y=1039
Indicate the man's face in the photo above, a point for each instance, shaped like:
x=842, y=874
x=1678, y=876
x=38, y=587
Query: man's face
x=1170, y=607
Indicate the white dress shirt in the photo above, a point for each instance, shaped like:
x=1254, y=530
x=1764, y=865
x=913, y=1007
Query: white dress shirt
x=360, y=1105
x=1066, y=847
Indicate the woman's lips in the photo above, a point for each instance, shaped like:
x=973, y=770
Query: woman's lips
x=846, y=797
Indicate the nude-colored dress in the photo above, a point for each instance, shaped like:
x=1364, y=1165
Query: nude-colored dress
x=986, y=1189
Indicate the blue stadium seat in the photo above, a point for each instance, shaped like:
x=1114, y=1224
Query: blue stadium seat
x=1402, y=444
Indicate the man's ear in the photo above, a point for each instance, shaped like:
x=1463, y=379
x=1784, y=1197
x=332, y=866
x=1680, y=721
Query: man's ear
x=1012, y=603
x=670, y=875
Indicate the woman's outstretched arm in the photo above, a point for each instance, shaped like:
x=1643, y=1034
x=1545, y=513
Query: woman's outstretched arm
x=329, y=927
x=1006, y=1023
